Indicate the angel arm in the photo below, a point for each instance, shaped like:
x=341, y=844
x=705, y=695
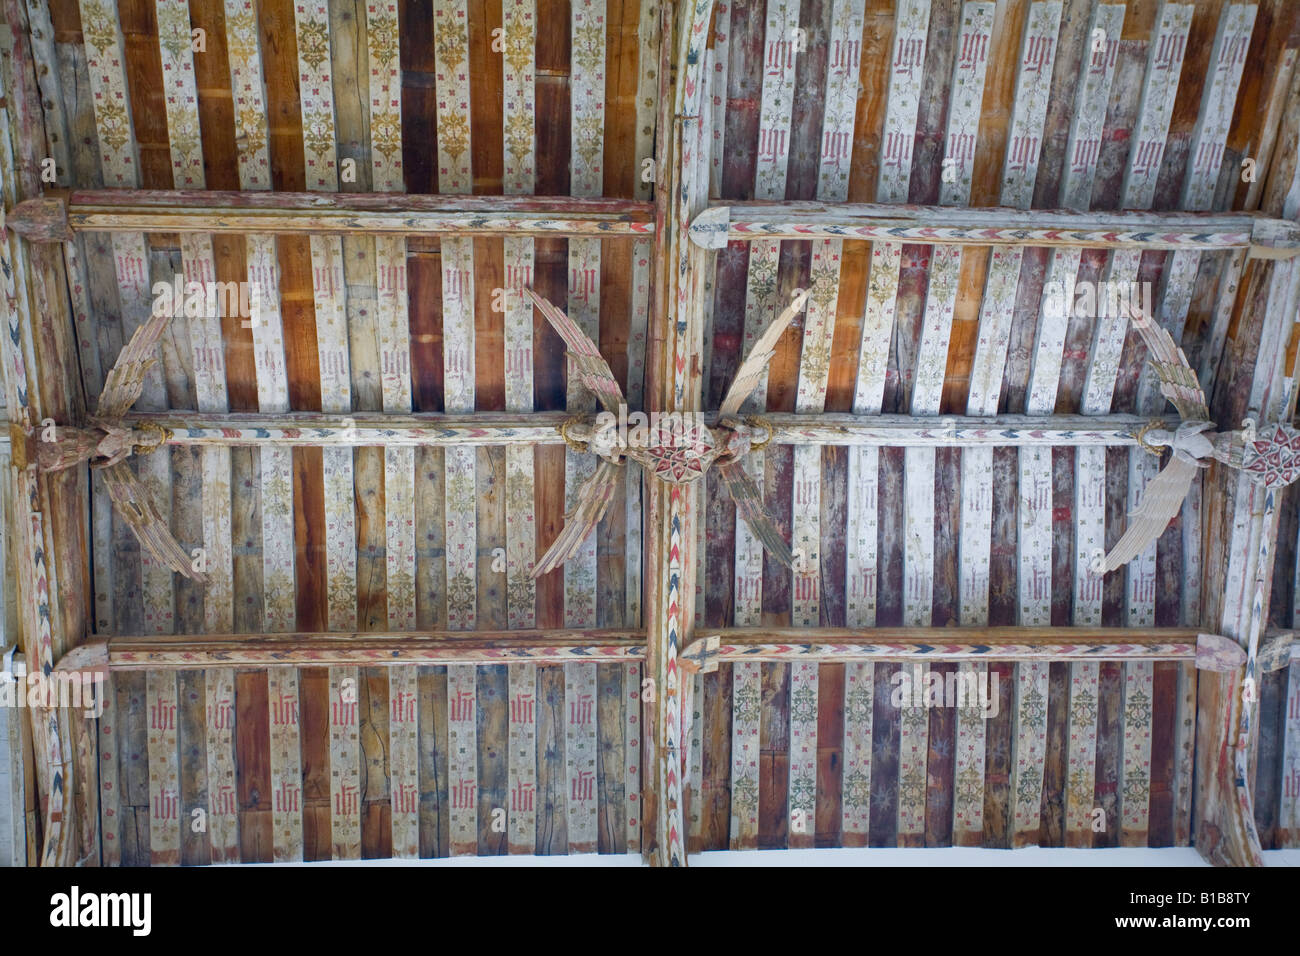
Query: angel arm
x=751, y=370
x=593, y=501
x=1161, y=500
x=749, y=505
x=1178, y=382
x=125, y=380
x=131, y=500
x=588, y=363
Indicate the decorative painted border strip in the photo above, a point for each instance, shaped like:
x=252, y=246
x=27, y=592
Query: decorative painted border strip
x=1081, y=754
x=632, y=732
x=968, y=769
x=913, y=755
x=1034, y=541
x=1029, y=751
x=399, y=526
x=855, y=801
x=404, y=760
x=746, y=713
x=223, y=798
x=462, y=757
x=1135, y=785
x=1083, y=148
x=1159, y=88
x=278, y=588
x=164, y=772
x=110, y=825
x=860, y=553
x=155, y=473
x=802, y=802
x=345, y=764
x=286, y=764
x=695, y=754
x=580, y=756
x=521, y=769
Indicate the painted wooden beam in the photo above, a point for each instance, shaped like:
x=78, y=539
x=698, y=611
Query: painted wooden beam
x=56, y=217
x=361, y=429
x=1263, y=237
x=332, y=649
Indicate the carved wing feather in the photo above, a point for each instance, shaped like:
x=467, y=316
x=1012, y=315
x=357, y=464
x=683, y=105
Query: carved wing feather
x=1161, y=500
x=593, y=501
x=751, y=370
x=125, y=380
x=588, y=363
x=1178, y=382
x=132, y=501
x=749, y=504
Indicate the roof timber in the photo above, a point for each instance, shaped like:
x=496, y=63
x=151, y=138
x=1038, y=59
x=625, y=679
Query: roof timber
x=1265, y=237
x=312, y=429
x=56, y=217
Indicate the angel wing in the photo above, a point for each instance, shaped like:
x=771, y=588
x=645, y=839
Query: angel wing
x=751, y=370
x=1161, y=500
x=749, y=504
x=1177, y=380
x=125, y=380
x=590, y=365
x=593, y=501
x=133, y=503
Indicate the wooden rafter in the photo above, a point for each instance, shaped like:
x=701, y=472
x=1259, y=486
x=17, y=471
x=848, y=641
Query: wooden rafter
x=1207, y=232
x=56, y=218
x=308, y=429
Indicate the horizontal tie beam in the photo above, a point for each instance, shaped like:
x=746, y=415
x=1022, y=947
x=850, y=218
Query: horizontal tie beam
x=56, y=218
x=542, y=428
x=1201, y=232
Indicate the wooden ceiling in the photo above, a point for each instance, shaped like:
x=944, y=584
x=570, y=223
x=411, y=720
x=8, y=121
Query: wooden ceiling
x=1056, y=104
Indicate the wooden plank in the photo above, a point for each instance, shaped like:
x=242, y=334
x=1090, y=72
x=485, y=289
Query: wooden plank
x=223, y=821
x=859, y=688
x=745, y=718
x=761, y=285
x=404, y=769
x=522, y=764
x=286, y=764
x=580, y=756
x=632, y=736
x=316, y=93
x=1029, y=749
x=345, y=764
x=462, y=751
x=1135, y=792
x=969, y=766
x=164, y=771
x=803, y=780
x=1081, y=756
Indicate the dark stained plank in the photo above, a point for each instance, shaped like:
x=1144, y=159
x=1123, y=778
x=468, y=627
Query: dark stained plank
x=997, y=759
x=434, y=803
x=611, y=775
x=1110, y=733
x=830, y=754
x=492, y=736
x=252, y=766
x=834, y=508
x=774, y=758
x=314, y=728
x=310, y=556
x=885, y=722
x=1056, y=756
x=715, y=789
x=376, y=802
x=191, y=728
x=1164, y=712
x=552, y=825
x=940, y=766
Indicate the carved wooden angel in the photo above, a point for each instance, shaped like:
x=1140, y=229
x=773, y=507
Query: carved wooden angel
x=106, y=443
x=676, y=448
x=1271, y=457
